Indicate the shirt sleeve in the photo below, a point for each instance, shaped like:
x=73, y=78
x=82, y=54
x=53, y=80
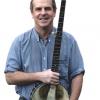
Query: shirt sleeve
x=76, y=61
x=13, y=62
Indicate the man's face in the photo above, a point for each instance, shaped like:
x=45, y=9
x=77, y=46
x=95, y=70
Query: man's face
x=43, y=13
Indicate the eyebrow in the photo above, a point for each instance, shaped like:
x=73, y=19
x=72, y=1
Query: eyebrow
x=46, y=8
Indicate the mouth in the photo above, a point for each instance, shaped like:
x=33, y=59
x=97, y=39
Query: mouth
x=44, y=19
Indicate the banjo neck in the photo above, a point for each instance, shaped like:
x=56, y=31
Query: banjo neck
x=58, y=38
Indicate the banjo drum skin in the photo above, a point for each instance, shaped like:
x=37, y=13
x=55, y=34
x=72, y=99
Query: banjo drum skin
x=50, y=92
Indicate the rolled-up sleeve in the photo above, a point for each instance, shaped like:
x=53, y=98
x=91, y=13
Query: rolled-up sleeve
x=13, y=62
x=76, y=61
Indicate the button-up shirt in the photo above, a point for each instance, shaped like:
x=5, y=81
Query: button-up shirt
x=30, y=53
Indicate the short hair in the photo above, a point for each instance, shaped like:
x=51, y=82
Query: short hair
x=53, y=5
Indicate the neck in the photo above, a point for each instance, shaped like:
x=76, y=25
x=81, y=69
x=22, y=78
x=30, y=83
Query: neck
x=44, y=32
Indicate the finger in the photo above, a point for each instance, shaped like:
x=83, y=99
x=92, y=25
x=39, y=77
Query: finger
x=54, y=83
x=55, y=80
x=55, y=77
x=56, y=74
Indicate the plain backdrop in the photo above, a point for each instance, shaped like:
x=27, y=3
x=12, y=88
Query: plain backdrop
x=82, y=20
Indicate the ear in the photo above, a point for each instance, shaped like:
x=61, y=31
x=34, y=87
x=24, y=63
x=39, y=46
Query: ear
x=32, y=15
x=54, y=13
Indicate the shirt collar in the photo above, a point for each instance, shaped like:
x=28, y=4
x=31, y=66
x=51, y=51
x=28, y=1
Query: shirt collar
x=37, y=36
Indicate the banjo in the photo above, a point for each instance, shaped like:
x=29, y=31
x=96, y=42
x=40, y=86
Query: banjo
x=47, y=91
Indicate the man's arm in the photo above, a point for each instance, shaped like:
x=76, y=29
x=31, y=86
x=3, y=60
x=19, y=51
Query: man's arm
x=20, y=78
x=23, y=78
x=76, y=87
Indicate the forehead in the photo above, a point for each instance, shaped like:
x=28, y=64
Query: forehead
x=42, y=3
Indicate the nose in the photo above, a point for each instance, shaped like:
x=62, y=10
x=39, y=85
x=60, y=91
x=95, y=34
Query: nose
x=43, y=11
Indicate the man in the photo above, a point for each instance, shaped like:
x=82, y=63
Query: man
x=30, y=57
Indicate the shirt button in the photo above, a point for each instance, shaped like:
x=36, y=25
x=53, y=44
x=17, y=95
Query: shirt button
x=44, y=58
x=44, y=69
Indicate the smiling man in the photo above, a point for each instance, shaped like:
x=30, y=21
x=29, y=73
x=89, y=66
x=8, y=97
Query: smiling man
x=43, y=12
x=29, y=60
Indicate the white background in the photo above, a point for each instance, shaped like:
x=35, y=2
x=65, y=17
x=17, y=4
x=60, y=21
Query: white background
x=82, y=20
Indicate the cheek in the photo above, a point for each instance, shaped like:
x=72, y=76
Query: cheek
x=35, y=15
x=52, y=15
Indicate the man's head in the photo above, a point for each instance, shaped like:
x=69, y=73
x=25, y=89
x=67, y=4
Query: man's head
x=53, y=5
x=43, y=12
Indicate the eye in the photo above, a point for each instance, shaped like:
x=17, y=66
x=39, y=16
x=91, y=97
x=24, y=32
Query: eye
x=38, y=9
x=47, y=8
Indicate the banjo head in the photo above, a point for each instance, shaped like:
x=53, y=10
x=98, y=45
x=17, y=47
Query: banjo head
x=43, y=93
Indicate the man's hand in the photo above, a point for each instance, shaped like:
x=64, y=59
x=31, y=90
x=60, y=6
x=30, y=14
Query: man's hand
x=49, y=77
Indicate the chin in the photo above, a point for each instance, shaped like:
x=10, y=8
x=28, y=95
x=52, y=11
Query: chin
x=43, y=26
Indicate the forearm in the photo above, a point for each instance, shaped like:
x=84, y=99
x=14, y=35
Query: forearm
x=76, y=87
x=21, y=78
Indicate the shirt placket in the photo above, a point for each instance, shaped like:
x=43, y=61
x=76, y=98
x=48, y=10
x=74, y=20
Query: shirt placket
x=44, y=55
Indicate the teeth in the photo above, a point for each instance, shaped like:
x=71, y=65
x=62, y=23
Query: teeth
x=43, y=18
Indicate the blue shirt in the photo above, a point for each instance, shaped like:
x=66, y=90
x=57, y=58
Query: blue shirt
x=29, y=53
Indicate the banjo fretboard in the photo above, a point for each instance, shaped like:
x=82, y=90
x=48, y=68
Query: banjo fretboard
x=58, y=38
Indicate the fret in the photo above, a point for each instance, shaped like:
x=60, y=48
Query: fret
x=59, y=33
x=62, y=16
x=56, y=61
x=56, y=50
x=58, y=44
x=60, y=25
x=58, y=37
x=58, y=40
x=63, y=3
x=57, y=47
x=63, y=10
x=54, y=68
x=55, y=64
x=56, y=54
x=61, y=19
x=63, y=7
x=59, y=30
x=56, y=57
